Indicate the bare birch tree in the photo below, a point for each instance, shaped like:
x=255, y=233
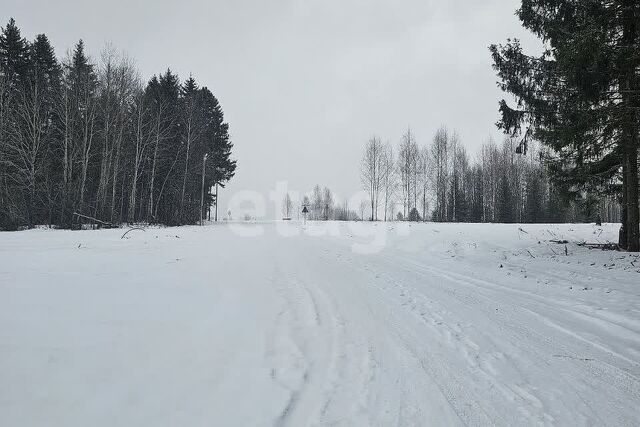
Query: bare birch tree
x=372, y=174
x=440, y=160
x=287, y=205
x=407, y=165
x=389, y=179
x=142, y=140
x=423, y=180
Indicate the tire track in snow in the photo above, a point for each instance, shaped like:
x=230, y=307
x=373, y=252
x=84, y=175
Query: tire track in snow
x=345, y=385
x=314, y=329
x=290, y=364
x=419, y=376
x=515, y=331
x=448, y=378
x=517, y=300
x=336, y=395
x=433, y=333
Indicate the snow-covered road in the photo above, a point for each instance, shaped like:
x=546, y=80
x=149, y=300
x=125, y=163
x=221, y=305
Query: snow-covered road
x=328, y=324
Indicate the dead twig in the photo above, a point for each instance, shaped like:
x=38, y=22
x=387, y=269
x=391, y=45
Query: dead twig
x=130, y=230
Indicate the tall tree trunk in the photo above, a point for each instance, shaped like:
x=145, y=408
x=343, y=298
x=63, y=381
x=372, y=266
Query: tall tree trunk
x=632, y=228
x=386, y=202
x=622, y=236
x=104, y=161
x=65, y=161
x=216, y=202
x=630, y=102
x=86, y=150
x=164, y=183
x=137, y=163
x=114, y=179
x=186, y=170
x=424, y=204
x=87, y=141
x=132, y=196
x=153, y=169
x=204, y=164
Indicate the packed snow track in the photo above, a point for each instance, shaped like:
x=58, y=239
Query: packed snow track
x=321, y=324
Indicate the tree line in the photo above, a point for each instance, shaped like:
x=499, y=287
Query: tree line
x=441, y=182
x=82, y=139
x=321, y=205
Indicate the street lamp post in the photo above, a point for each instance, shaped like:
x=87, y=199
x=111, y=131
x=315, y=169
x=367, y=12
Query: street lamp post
x=218, y=175
x=204, y=164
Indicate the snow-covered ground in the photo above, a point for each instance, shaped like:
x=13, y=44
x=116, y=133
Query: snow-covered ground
x=327, y=324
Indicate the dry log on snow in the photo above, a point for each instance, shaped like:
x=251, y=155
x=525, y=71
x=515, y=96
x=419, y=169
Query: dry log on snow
x=96, y=220
x=604, y=246
x=560, y=242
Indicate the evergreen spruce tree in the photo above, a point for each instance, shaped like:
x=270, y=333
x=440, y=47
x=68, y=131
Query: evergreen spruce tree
x=82, y=83
x=39, y=98
x=30, y=80
x=14, y=61
x=414, y=215
x=167, y=188
x=190, y=87
x=581, y=96
x=221, y=167
x=14, y=54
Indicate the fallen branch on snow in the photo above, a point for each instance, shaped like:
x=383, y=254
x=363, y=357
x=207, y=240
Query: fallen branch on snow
x=604, y=246
x=130, y=230
x=103, y=223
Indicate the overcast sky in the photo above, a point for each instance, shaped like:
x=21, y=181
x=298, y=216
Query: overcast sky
x=305, y=83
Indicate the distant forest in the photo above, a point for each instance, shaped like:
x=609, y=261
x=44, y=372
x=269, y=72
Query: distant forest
x=81, y=139
x=440, y=181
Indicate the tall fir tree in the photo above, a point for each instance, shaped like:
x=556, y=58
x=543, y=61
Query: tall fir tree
x=44, y=75
x=14, y=62
x=581, y=96
x=14, y=53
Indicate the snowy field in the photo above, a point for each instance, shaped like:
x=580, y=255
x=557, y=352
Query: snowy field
x=330, y=324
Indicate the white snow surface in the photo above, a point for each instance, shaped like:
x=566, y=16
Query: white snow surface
x=325, y=324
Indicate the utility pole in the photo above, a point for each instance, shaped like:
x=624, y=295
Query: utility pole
x=216, y=219
x=204, y=164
